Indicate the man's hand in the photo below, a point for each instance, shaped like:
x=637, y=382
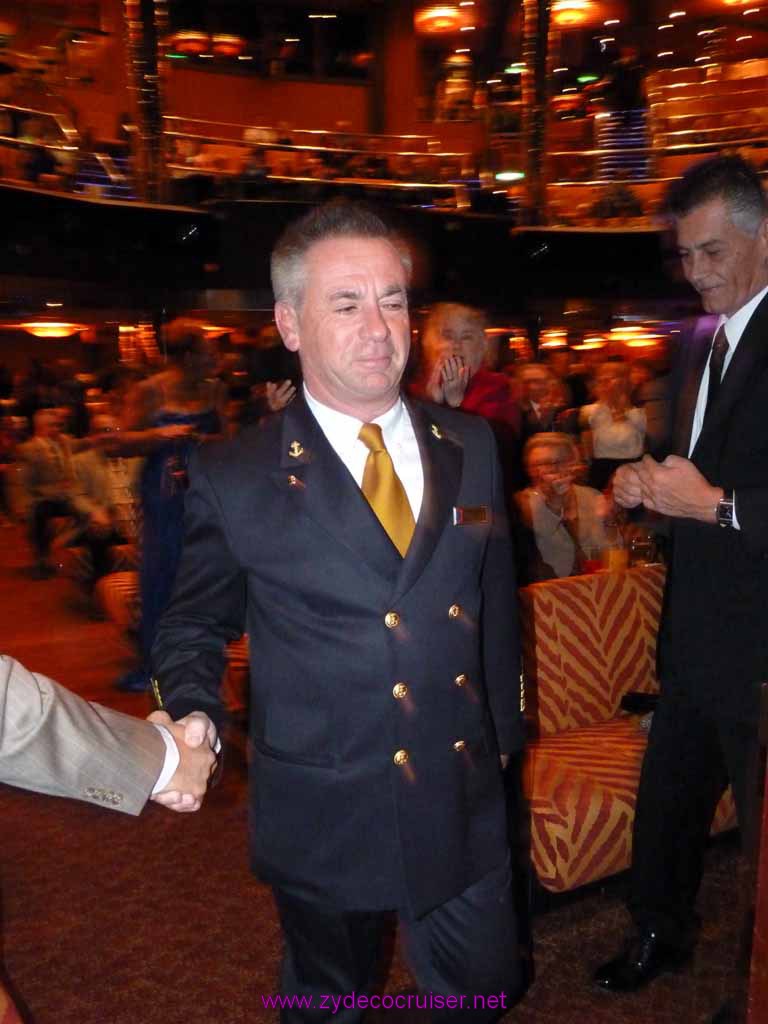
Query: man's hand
x=675, y=487
x=195, y=736
x=627, y=485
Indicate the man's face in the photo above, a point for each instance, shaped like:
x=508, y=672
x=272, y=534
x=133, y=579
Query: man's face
x=351, y=329
x=536, y=384
x=726, y=266
x=48, y=424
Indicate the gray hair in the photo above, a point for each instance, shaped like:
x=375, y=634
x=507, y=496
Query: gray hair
x=551, y=440
x=730, y=178
x=338, y=219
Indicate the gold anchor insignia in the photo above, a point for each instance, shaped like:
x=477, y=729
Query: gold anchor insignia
x=437, y=432
x=295, y=449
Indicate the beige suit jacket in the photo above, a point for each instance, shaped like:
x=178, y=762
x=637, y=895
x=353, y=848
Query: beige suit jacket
x=53, y=741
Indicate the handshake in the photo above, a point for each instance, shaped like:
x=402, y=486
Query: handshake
x=196, y=742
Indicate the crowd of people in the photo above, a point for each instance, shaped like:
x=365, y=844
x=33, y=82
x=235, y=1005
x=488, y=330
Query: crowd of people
x=100, y=463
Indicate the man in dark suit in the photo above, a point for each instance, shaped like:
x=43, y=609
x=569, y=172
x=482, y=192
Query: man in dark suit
x=712, y=644
x=361, y=541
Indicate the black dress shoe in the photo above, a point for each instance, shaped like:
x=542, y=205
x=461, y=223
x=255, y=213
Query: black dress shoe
x=644, y=958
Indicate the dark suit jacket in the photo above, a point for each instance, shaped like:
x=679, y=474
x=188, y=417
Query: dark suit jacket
x=714, y=638
x=281, y=541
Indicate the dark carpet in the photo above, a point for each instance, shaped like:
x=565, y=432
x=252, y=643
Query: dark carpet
x=108, y=919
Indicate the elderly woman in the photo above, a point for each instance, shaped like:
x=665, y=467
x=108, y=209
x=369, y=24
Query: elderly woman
x=455, y=372
x=560, y=522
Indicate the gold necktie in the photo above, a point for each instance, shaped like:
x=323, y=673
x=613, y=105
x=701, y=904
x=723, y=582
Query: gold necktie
x=384, y=490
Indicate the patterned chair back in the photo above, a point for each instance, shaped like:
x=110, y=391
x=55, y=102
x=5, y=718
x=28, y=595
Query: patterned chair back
x=588, y=640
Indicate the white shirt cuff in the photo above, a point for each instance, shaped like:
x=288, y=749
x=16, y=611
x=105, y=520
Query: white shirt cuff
x=171, y=762
x=735, y=517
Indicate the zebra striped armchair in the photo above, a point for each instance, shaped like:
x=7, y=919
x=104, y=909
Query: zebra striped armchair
x=588, y=640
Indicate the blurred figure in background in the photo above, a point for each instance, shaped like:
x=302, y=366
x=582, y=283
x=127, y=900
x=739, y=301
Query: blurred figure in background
x=106, y=496
x=165, y=417
x=573, y=385
x=613, y=428
x=537, y=399
x=48, y=484
x=561, y=528
x=455, y=372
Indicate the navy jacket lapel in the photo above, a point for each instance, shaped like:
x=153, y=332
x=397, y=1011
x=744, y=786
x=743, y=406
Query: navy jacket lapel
x=750, y=357
x=441, y=460
x=322, y=484
x=696, y=355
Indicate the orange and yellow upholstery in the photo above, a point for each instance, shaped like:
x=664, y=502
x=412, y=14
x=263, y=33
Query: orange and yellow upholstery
x=8, y=1012
x=588, y=640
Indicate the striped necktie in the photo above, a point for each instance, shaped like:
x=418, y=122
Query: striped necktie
x=716, y=363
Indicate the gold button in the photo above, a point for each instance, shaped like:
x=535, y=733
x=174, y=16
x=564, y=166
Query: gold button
x=454, y=611
x=461, y=680
x=399, y=690
x=401, y=758
x=391, y=619
x=459, y=745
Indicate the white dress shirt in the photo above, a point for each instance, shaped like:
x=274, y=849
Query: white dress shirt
x=735, y=325
x=341, y=431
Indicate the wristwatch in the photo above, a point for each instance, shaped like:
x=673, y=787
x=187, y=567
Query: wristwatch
x=724, y=508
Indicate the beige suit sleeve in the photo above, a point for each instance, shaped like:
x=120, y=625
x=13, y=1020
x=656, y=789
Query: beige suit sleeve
x=53, y=741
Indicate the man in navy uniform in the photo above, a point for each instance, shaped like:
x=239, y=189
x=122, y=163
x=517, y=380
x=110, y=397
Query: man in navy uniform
x=360, y=539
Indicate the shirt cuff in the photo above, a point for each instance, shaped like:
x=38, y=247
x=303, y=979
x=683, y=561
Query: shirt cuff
x=735, y=517
x=171, y=762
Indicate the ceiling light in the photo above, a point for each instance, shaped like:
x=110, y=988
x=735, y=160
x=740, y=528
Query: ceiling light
x=437, y=18
x=569, y=13
x=612, y=21
x=666, y=53
x=741, y=39
x=557, y=71
x=51, y=328
x=676, y=14
x=668, y=25
x=510, y=176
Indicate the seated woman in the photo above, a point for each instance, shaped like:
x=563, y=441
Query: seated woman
x=613, y=429
x=560, y=524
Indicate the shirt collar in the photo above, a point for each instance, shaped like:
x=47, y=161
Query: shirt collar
x=342, y=429
x=735, y=324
